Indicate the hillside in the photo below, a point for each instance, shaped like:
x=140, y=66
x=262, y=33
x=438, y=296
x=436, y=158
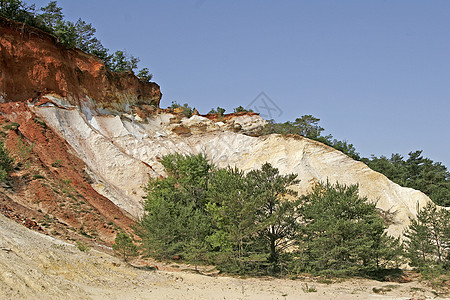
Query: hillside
x=86, y=140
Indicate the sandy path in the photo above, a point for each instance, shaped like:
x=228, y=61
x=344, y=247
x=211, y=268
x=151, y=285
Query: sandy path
x=35, y=266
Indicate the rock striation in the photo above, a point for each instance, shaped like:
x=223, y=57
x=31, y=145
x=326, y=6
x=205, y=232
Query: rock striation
x=114, y=125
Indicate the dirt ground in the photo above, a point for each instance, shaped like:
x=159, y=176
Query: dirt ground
x=36, y=266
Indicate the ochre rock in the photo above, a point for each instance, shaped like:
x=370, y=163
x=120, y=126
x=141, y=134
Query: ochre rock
x=33, y=62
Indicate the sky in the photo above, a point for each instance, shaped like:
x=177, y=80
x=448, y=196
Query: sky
x=376, y=73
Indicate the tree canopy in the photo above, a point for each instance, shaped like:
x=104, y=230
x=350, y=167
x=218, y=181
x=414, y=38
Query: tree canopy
x=255, y=223
x=80, y=34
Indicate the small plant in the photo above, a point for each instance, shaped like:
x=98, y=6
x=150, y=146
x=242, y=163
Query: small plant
x=144, y=75
x=38, y=176
x=241, y=109
x=57, y=163
x=6, y=162
x=23, y=150
x=308, y=289
x=219, y=111
x=186, y=110
x=40, y=122
x=11, y=126
x=124, y=247
x=82, y=246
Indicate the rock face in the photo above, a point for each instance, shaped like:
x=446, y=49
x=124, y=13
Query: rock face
x=32, y=62
x=114, y=125
x=123, y=152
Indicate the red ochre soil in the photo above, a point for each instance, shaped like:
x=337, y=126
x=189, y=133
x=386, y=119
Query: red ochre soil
x=33, y=62
x=49, y=189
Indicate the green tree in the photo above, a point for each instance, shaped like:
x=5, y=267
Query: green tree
x=124, y=246
x=52, y=15
x=276, y=216
x=175, y=215
x=121, y=62
x=233, y=214
x=18, y=11
x=343, y=234
x=428, y=238
x=144, y=75
x=241, y=109
x=416, y=172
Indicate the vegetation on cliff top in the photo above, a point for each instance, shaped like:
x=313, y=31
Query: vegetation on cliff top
x=417, y=172
x=79, y=34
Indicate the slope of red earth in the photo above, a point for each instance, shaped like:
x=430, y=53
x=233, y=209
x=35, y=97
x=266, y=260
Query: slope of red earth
x=49, y=189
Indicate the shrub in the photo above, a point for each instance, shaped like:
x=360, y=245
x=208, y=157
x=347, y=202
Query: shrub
x=241, y=109
x=124, y=246
x=343, y=234
x=187, y=111
x=428, y=240
x=144, y=75
x=6, y=162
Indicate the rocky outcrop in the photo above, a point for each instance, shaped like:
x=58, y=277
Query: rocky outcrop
x=123, y=152
x=114, y=125
x=33, y=62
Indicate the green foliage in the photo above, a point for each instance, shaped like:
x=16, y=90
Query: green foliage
x=241, y=109
x=52, y=15
x=121, y=62
x=343, y=234
x=11, y=126
x=187, y=111
x=254, y=223
x=219, y=111
x=144, y=75
x=18, y=11
x=6, y=162
x=416, y=172
x=179, y=198
x=308, y=126
x=83, y=247
x=79, y=34
x=276, y=218
x=124, y=246
x=428, y=239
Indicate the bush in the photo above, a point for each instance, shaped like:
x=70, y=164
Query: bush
x=428, y=240
x=241, y=109
x=144, y=75
x=6, y=162
x=124, y=246
x=187, y=111
x=219, y=111
x=343, y=234
x=254, y=223
x=79, y=34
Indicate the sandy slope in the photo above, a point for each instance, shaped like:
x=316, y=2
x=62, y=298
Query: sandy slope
x=35, y=266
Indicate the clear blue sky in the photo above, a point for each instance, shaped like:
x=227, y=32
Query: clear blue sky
x=377, y=73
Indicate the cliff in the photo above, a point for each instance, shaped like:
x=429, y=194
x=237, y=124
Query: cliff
x=32, y=62
x=109, y=122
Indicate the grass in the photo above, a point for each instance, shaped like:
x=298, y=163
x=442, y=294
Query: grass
x=308, y=289
x=11, y=126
